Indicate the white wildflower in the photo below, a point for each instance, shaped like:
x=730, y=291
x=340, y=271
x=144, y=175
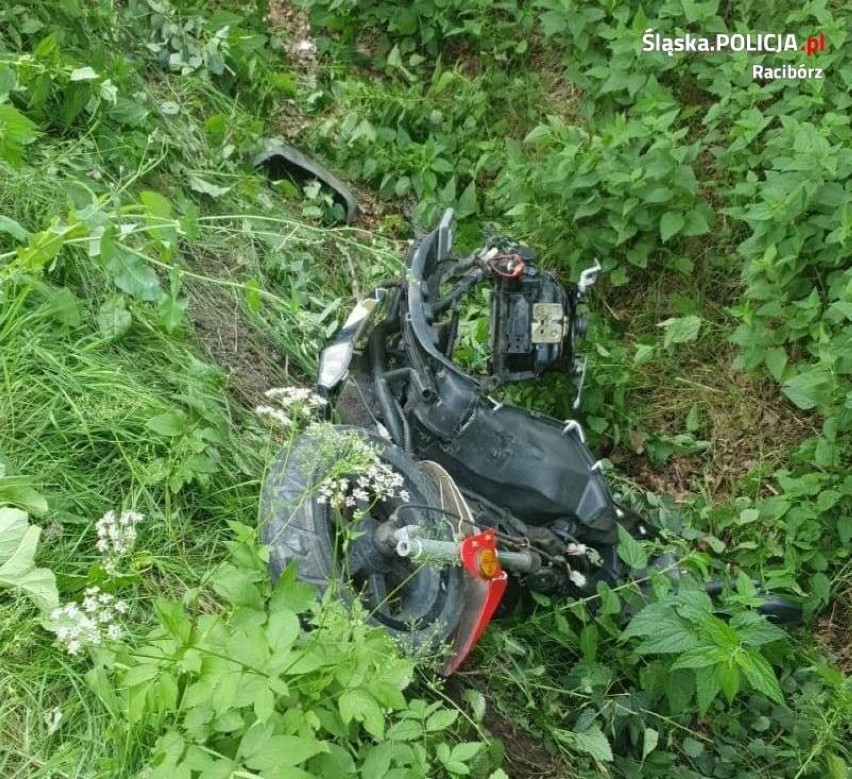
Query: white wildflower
x=373, y=481
x=290, y=405
x=92, y=625
x=116, y=537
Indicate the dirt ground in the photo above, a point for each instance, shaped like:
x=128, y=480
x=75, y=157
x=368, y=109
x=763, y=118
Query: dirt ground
x=235, y=345
x=745, y=419
x=525, y=756
x=833, y=630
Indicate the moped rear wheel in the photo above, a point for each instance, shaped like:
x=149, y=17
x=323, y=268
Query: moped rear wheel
x=417, y=603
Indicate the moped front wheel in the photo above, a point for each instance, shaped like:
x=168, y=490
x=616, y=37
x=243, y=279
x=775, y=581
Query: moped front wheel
x=325, y=518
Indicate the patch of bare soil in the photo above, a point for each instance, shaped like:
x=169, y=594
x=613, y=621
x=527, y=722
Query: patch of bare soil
x=235, y=344
x=833, y=630
x=526, y=755
x=285, y=17
x=748, y=422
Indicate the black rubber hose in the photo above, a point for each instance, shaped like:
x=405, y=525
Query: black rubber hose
x=473, y=278
x=407, y=438
x=384, y=397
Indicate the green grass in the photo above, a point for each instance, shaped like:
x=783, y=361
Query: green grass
x=157, y=416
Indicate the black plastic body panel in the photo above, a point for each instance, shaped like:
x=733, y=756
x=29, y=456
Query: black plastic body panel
x=525, y=464
x=284, y=161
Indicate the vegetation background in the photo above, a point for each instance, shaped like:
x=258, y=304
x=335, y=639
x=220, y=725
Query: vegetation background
x=152, y=285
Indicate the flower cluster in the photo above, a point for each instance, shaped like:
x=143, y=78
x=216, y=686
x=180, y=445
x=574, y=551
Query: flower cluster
x=378, y=481
x=292, y=405
x=116, y=537
x=78, y=626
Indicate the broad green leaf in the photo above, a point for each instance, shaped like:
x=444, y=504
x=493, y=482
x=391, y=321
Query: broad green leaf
x=658, y=195
x=465, y=751
x=809, y=389
x=173, y=619
x=237, y=586
x=133, y=275
x=264, y=704
x=591, y=741
x=162, y=228
x=441, y=720
x=156, y=204
x=670, y=225
x=587, y=209
x=17, y=491
x=754, y=629
x=747, y=516
x=838, y=768
x=282, y=629
x=729, y=679
x=357, y=704
x=273, y=752
x=693, y=603
x=760, y=675
x=83, y=74
x=668, y=639
x=140, y=674
x=380, y=757
x=128, y=112
x=680, y=330
x=693, y=747
x=11, y=227
x=679, y=687
x=706, y=687
x=695, y=223
x=405, y=730
x=650, y=740
x=700, y=657
x=18, y=542
x=720, y=633
x=8, y=80
x=114, y=320
x=207, y=188
x=16, y=132
x=776, y=361
x=64, y=307
x=172, y=423
x=171, y=313
x=292, y=594
x=631, y=551
x=467, y=201
x=648, y=619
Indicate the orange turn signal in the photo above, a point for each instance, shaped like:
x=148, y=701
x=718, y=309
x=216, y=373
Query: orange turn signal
x=487, y=563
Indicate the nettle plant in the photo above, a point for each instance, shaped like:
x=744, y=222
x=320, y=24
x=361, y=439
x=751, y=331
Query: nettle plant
x=624, y=191
x=417, y=135
x=428, y=27
x=716, y=656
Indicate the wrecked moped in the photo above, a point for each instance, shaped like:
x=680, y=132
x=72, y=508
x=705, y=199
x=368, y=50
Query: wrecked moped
x=500, y=499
